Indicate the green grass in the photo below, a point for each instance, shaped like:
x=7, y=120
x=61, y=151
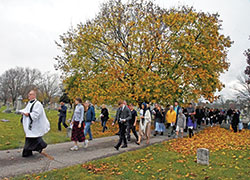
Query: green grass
x=156, y=162
x=12, y=134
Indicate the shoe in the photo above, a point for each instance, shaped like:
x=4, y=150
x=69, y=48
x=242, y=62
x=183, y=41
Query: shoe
x=137, y=143
x=161, y=133
x=90, y=139
x=74, y=148
x=128, y=139
x=86, y=143
x=124, y=146
x=116, y=147
x=154, y=134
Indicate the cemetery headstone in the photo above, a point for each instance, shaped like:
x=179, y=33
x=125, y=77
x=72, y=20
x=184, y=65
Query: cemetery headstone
x=225, y=125
x=7, y=110
x=203, y=156
x=19, y=104
x=56, y=106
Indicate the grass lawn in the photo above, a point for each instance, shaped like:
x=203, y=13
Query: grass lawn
x=169, y=160
x=12, y=135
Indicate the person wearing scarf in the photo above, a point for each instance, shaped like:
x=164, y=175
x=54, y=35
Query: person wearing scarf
x=35, y=125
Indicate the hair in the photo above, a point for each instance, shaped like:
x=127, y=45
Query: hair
x=88, y=102
x=190, y=104
x=103, y=105
x=79, y=100
x=120, y=102
x=34, y=90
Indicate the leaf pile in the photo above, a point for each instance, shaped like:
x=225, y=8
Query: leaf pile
x=212, y=138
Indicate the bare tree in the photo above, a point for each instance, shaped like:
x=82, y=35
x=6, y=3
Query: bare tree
x=243, y=89
x=4, y=90
x=18, y=81
x=31, y=80
x=49, y=87
x=14, y=78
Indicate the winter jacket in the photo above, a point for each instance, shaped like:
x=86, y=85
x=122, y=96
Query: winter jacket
x=171, y=116
x=90, y=114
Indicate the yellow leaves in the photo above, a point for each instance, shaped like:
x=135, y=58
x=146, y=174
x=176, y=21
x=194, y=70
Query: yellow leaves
x=93, y=169
x=37, y=177
x=180, y=161
x=159, y=170
x=214, y=139
x=133, y=55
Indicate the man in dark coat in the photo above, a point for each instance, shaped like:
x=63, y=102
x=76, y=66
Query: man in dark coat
x=123, y=116
x=199, y=115
x=62, y=116
x=235, y=120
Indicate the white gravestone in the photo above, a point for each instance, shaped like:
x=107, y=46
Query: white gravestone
x=7, y=110
x=203, y=156
x=19, y=104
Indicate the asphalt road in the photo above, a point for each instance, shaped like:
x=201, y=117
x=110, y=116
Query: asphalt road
x=12, y=163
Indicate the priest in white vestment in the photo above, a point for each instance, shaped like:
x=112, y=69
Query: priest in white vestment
x=35, y=125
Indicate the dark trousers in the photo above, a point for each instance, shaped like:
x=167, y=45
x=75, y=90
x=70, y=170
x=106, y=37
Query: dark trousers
x=199, y=121
x=104, y=127
x=122, y=135
x=190, y=131
x=131, y=127
x=62, y=119
x=234, y=126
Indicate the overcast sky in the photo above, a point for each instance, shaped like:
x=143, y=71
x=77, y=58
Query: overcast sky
x=28, y=29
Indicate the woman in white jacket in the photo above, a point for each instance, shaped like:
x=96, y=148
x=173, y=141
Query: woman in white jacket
x=145, y=123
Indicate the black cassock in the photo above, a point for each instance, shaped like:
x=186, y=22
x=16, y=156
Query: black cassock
x=33, y=144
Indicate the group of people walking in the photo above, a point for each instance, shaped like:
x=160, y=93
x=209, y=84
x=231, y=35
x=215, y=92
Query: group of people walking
x=172, y=119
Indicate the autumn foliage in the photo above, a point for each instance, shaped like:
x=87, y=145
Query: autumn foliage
x=212, y=138
x=139, y=52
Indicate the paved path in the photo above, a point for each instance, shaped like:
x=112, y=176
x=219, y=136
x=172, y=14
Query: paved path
x=12, y=164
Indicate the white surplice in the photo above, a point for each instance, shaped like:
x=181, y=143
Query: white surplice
x=40, y=124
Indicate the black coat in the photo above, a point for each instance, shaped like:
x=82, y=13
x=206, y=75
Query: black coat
x=199, y=113
x=105, y=114
x=159, y=117
x=236, y=118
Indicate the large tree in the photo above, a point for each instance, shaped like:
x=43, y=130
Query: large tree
x=139, y=51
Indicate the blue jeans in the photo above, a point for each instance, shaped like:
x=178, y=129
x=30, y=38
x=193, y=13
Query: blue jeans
x=87, y=129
